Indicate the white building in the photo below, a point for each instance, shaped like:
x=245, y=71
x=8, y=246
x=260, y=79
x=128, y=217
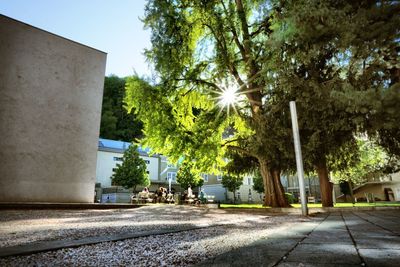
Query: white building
x=110, y=153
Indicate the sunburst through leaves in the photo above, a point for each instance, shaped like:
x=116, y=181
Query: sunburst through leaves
x=228, y=98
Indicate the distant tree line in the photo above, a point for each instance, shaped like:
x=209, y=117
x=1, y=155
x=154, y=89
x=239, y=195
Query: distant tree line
x=116, y=122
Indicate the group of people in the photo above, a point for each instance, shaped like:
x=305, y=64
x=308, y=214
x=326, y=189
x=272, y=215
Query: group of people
x=190, y=198
x=160, y=195
x=163, y=195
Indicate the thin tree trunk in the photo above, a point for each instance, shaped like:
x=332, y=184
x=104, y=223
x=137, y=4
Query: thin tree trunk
x=351, y=192
x=324, y=183
x=274, y=193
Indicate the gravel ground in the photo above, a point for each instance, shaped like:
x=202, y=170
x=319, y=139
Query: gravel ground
x=228, y=230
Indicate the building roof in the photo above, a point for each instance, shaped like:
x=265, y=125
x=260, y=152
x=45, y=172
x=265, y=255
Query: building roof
x=119, y=146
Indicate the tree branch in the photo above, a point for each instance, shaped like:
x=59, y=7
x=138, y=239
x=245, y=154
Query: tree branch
x=241, y=150
x=234, y=33
x=263, y=26
x=222, y=44
x=253, y=69
x=200, y=81
x=232, y=140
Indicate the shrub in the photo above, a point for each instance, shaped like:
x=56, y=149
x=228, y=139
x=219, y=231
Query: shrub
x=290, y=198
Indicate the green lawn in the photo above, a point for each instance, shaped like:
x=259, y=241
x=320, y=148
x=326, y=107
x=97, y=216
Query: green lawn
x=338, y=205
x=243, y=206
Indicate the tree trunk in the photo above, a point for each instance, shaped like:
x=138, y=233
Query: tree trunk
x=324, y=183
x=234, y=197
x=274, y=193
x=351, y=192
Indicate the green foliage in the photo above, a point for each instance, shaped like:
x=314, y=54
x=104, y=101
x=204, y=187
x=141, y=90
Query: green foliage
x=298, y=206
x=290, y=198
x=188, y=176
x=195, y=61
x=371, y=164
x=337, y=59
x=132, y=172
x=258, y=184
x=232, y=182
x=116, y=122
x=183, y=124
x=322, y=58
x=302, y=67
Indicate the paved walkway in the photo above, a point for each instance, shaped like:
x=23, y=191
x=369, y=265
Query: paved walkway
x=337, y=239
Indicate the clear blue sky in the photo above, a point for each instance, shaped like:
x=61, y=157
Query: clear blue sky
x=112, y=26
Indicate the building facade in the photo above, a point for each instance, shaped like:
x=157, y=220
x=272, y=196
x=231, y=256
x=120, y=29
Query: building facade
x=382, y=189
x=110, y=153
x=162, y=173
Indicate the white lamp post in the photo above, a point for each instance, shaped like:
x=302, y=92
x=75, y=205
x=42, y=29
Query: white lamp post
x=299, y=158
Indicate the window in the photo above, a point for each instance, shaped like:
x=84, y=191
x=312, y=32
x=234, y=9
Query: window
x=171, y=175
x=219, y=177
x=147, y=161
x=205, y=177
x=249, y=181
x=118, y=159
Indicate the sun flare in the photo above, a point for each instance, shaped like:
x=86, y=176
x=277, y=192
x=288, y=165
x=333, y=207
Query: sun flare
x=228, y=97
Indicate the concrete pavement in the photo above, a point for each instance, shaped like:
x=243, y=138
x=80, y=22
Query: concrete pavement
x=333, y=239
x=340, y=238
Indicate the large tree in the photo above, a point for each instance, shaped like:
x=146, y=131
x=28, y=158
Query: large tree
x=301, y=67
x=133, y=171
x=371, y=50
x=322, y=57
x=272, y=52
x=201, y=49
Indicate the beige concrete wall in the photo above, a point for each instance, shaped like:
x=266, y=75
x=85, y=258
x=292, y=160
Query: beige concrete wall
x=50, y=106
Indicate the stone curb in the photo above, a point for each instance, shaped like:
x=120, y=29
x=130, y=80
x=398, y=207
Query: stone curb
x=38, y=205
x=42, y=205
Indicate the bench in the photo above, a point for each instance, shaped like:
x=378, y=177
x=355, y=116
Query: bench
x=311, y=200
x=170, y=198
x=143, y=197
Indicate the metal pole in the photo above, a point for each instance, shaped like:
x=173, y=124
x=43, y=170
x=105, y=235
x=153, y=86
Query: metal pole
x=299, y=159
